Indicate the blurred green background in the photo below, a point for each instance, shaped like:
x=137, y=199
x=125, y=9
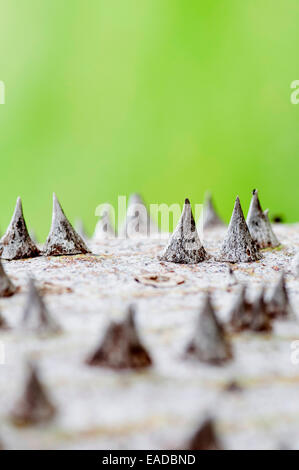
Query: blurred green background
x=165, y=97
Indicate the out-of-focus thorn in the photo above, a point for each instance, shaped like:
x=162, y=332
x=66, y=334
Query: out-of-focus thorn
x=34, y=406
x=240, y=313
x=210, y=217
x=209, y=343
x=7, y=287
x=138, y=221
x=205, y=437
x=121, y=347
x=259, y=224
x=278, y=303
x=36, y=317
x=260, y=321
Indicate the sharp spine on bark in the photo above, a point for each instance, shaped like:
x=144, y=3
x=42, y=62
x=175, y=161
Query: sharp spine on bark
x=209, y=343
x=7, y=288
x=238, y=246
x=34, y=406
x=16, y=243
x=36, y=317
x=278, y=304
x=241, y=312
x=205, y=437
x=104, y=229
x=80, y=229
x=121, y=347
x=210, y=217
x=260, y=321
x=138, y=221
x=62, y=239
x=184, y=245
x=259, y=224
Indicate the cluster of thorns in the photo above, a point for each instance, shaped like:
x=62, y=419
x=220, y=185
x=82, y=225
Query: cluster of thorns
x=121, y=347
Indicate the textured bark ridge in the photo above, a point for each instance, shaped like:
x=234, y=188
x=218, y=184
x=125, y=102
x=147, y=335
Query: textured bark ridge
x=36, y=317
x=16, y=243
x=205, y=438
x=210, y=217
x=209, y=343
x=241, y=312
x=121, y=347
x=7, y=288
x=278, y=305
x=238, y=246
x=63, y=239
x=184, y=245
x=34, y=406
x=259, y=224
x=138, y=221
x=104, y=228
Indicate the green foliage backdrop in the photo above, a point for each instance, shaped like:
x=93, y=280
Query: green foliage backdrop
x=165, y=97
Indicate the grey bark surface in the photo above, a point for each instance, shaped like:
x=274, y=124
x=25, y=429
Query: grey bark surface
x=161, y=406
x=16, y=243
x=238, y=245
x=184, y=246
x=62, y=239
x=259, y=224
